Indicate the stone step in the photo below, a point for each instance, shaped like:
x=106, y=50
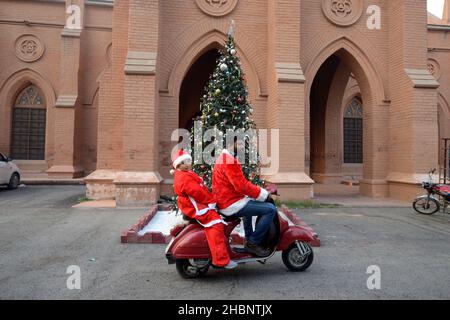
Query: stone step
x=350, y=181
x=47, y=181
x=32, y=166
x=42, y=178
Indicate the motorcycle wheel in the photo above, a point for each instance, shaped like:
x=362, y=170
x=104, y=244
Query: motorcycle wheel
x=426, y=206
x=188, y=271
x=293, y=260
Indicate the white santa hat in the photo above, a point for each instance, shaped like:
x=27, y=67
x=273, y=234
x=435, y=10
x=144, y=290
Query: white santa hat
x=180, y=156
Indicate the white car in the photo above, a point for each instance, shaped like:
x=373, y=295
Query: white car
x=9, y=173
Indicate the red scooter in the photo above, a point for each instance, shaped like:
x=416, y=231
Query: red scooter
x=189, y=249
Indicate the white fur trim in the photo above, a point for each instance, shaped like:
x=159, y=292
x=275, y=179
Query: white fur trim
x=203, y=211
x=212, y=206
x=235, y=207
x=227, y=160
x=227, y=152
x=210, y=224
x=198, y=212
x=263, y=194
x=181, y=159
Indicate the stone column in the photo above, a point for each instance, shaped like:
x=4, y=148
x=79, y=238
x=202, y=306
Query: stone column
x=413, y=146
x=68, y=99
x=99, y=184
x=286, y=106
x=376, y=150
x=139, y=182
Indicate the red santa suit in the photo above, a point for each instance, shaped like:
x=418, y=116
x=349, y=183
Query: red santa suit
x=195, y=201
x=231, y=189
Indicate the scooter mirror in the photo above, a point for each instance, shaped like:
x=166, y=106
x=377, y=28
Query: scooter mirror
x=272, y=189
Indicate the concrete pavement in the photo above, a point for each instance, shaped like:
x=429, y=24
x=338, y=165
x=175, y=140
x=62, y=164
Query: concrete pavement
x=41, y=235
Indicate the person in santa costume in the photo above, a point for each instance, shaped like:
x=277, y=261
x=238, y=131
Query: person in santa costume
x=196, y=202
x=236, y=196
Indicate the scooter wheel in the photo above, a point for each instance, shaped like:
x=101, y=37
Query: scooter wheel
x=294, y=261
x=188, y=271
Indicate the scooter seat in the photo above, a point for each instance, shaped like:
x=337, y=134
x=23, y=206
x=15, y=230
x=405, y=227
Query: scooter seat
x=230, y=218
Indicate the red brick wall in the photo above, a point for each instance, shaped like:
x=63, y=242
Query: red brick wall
x=125, y=122
x=46, y=21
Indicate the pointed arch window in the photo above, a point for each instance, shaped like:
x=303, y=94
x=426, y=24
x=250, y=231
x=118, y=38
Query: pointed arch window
x=353, y=132
x=28, y=127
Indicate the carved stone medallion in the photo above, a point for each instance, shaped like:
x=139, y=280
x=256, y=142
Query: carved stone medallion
x=342, y=12
x=217, y=8
x=29, y=48
x=434, y=68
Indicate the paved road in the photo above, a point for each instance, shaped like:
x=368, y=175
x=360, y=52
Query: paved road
x=41, y=235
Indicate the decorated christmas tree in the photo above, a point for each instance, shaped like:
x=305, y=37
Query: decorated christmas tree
x=225, y=106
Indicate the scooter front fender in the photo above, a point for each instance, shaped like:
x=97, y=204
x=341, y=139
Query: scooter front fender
x=294, y=233
x=191, y=245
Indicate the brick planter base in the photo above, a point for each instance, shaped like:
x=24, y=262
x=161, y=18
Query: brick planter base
x=131, y=235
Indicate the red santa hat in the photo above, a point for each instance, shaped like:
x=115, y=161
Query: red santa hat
x=180, y=156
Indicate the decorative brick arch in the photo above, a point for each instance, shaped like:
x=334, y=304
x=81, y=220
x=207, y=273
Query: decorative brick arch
x=93, y=89
x=8, y=93
x=188, y=46
x=351, y=93
x=322, y=41
x=367, y=74
x=444, y=105
x=212, y=40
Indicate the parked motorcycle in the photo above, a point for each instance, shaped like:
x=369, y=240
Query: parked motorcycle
x=189, y=250
x=438, y=195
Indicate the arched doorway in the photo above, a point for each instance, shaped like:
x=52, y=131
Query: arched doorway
x=28, y=125
x=193, y=86
x=336, y=124
x=337, y=69
x=318, y=112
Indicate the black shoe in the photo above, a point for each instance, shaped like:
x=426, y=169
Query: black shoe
x=258, y=251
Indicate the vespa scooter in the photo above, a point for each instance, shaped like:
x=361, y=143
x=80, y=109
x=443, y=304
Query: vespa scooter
x=189, y=250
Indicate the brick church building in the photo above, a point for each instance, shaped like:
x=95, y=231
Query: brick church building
x=359, y=89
